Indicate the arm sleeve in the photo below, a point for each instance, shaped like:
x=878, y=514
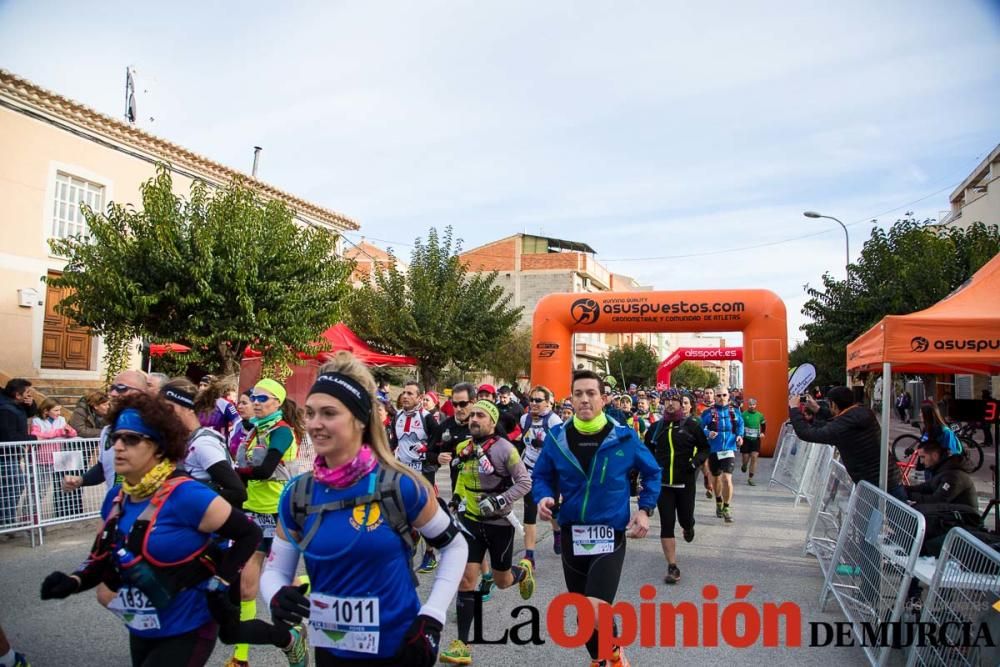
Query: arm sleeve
x=279, y=568
x=245, y=536
x=519, y=473
x=229, y=484
x=652, y=475
x=451, y=566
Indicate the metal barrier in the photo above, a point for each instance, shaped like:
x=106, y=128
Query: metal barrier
x=966, y=584
x=798, y=464
x=31, y=493
x=826, y=514
x=873, y=562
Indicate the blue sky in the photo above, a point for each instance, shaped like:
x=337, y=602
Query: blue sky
x=662, y=134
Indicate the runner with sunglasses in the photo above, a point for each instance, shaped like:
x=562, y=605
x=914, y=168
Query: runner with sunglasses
x=535, y=429
x=262, y=462
x=723, y=424
x=157, y=549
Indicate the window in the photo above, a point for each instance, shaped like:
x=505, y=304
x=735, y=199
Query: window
x=67, y=220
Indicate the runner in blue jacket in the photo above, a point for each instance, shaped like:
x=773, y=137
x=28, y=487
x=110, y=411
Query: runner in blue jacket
x=589, y=459
x=723, y=425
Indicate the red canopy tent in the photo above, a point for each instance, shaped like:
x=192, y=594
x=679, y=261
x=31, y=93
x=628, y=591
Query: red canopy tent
x=339, y=337
x=160, y=349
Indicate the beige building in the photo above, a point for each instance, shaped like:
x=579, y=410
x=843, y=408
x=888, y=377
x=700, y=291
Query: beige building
x=58, y=154
x=977, y=198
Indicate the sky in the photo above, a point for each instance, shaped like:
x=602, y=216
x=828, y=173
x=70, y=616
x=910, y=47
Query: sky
x=682, y=141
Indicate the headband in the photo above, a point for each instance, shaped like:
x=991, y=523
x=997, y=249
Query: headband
x=272, y=387
x=489, y=408
x=178, y=396
x=130, y=420
x=346, y=390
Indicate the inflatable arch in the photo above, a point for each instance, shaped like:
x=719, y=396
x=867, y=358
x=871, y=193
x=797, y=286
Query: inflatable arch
x=682, y=354
x=758, y=314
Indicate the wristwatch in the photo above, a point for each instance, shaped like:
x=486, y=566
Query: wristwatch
x=647, y=510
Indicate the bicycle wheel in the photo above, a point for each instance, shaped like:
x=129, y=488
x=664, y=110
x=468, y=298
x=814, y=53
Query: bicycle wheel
x=902, y=443
x=973, y=453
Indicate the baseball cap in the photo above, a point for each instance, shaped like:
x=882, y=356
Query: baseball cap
x=488, y=388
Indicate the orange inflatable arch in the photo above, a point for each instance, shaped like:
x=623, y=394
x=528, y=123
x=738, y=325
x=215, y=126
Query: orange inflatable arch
x=758, y=314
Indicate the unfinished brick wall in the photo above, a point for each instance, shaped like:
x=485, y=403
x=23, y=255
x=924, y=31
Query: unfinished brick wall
x=497, y=256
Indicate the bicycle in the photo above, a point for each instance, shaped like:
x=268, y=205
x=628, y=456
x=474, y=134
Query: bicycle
x=904, y=447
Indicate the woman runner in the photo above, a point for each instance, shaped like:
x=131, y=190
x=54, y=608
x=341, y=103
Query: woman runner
x=157, y=547
x=351, y=519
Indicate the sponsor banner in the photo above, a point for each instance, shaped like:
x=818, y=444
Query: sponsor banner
x=587, y=311
x=801, y=378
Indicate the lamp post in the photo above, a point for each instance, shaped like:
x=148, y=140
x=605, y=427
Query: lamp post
x=847, y=240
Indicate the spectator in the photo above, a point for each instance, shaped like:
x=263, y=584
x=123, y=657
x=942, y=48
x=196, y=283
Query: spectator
x=16, y=404
x=51, y=425
x=88, y=415
x=903, y=402
x=949, y=482
x=430, y=402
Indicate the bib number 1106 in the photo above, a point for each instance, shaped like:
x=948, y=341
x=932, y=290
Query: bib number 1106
x=591, y=540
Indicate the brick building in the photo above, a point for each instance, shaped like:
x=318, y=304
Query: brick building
x=368, y=258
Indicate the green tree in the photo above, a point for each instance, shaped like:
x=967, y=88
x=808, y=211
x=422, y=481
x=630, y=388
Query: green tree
x=909, y=267
x=219, y=271
x=691, y=375
x=435, y=310
x=634, y=364
x=511, y=359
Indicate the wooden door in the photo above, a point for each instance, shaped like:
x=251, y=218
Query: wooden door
x=64, y=343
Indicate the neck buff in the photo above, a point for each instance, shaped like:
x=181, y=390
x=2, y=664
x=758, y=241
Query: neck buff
x=151, y=481
x=590, y=427
x=345, y=474
x=264, y=423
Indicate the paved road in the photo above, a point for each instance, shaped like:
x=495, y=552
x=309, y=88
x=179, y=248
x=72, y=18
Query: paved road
x=763, y=549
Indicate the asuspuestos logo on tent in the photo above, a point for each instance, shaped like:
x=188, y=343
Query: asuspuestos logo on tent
x=919, y=344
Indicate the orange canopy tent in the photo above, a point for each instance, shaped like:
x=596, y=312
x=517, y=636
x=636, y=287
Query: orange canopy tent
x=959, y=334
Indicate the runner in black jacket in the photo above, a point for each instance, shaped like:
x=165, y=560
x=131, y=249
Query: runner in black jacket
x=680, y=447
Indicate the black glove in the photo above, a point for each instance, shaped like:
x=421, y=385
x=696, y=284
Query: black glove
x=290, y=604
x=224, y=611
x=420, y=643
x=59, y=585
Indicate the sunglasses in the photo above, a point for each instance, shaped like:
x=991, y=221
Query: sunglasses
x=461, y=404
x=260, y=398
x=130, y=439
x=535, y=399
x=121, y=388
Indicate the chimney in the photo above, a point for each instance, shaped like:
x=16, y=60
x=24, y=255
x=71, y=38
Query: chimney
x=256, y=160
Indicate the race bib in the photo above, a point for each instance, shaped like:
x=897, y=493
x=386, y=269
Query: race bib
x=751, y=433
x=348, y=624
x=728, y=454
x=266, y=522
x=134, y=609
x=593, y=539
x=415, y=465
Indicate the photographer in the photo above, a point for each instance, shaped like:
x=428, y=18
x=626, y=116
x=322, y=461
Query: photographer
x=850, y=427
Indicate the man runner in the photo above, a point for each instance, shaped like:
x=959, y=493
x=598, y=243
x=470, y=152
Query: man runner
x=723, y=425
x=491, y=478
x=754, y=427
x=535, y=429
x=588, y=459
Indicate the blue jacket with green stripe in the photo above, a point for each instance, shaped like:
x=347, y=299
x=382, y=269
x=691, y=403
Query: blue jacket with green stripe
x=599, y=495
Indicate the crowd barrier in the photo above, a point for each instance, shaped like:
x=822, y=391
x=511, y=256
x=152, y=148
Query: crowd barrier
x=874, y=560
x=798, y=465
x=31, y=493
x=826, y=514
x=965, y=587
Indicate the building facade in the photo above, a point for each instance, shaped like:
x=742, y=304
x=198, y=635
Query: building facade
x=57, y=155
x=977, y=198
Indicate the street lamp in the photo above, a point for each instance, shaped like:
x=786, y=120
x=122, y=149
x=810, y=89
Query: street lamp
x=847, y=240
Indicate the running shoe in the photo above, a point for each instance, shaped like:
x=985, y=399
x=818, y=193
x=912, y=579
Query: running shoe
x=727, y=514
x=673, y=575
x=233, y=662
x=557, y=542
x=527, y=585
x=718, y=510
x=751, y=482
x=20, y=660
x=618, y=658
x=486, y=586
x=689, y=534
x=298, y=652
x=457, y=653
x=743, y=468
x=708, y=493
x=428, y=564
